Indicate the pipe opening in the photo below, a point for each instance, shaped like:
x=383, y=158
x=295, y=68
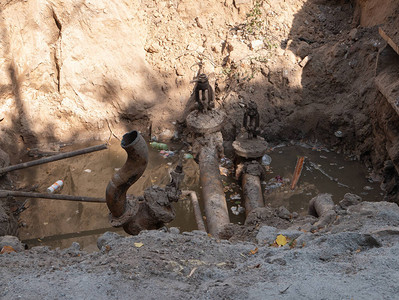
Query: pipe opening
x=129, y=138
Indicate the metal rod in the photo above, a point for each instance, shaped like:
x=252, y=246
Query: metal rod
x=7, y=193
x=197, y=209
x=52, y=158
x=216, y=212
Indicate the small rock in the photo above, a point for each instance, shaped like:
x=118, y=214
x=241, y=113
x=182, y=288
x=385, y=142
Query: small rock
x=180, y=71
x=107, y=238
x=256, y=44
x=174, y=230
x=353, y=34
x=13, y=241
x=304, y=61
x=283, y=213
x=75, y=246
x=266, y=234
x=349, y=200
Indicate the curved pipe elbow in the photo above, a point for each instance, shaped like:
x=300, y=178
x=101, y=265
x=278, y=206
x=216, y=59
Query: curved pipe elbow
x=135, y=165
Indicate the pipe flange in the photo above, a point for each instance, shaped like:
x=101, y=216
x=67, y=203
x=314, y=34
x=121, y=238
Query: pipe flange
x=131, y=209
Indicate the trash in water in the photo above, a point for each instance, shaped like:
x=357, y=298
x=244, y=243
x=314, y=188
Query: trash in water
x=266, y=160
x=367, y=188
x=276, y=182
x=56, y=186
x=159, y=146
x=339, y=133
x=224, y=171
x=322, y=156
x=278, y=146
x=166, y=153
x=188, y=156
x=236, y=210
x=226, y=162
x=87, y=171
x=235, y=197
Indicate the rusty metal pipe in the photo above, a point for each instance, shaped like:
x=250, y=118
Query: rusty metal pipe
x=252, y=192
x=197, y=209
x=7, y=193
x=46, y=160
x=217, y=215
x=131, y=171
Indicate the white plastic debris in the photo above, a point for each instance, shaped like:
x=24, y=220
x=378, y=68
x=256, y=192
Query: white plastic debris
x=55, y=186
x=339, y=134
x=266, y=160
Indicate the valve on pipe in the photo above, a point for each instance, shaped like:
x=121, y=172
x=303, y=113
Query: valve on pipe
x=149, y=211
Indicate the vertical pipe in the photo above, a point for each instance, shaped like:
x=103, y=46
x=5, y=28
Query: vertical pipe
x=197, y=209
x=216, y=212
x=136, y=163
x=252, y=192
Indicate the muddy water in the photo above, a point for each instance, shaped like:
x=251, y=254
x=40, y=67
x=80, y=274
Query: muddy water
x=58, y=223
x=323, y=172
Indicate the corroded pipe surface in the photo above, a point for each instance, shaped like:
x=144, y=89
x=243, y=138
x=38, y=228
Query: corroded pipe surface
x=252, y=192
x=134, y=167
x=197, y=209
x=217, y=215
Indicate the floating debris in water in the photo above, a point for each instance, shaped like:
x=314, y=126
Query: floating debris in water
x=339, y=134
x=226, y=162
x=166, y=153
x=235, y=197
x=266, y=160
x=236, y=210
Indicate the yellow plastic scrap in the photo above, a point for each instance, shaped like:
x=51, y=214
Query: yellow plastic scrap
x=281, y=240
x=138, y=245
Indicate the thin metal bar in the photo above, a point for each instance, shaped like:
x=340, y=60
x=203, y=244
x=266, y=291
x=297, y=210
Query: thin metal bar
x=7, y=193
x=52, y=158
